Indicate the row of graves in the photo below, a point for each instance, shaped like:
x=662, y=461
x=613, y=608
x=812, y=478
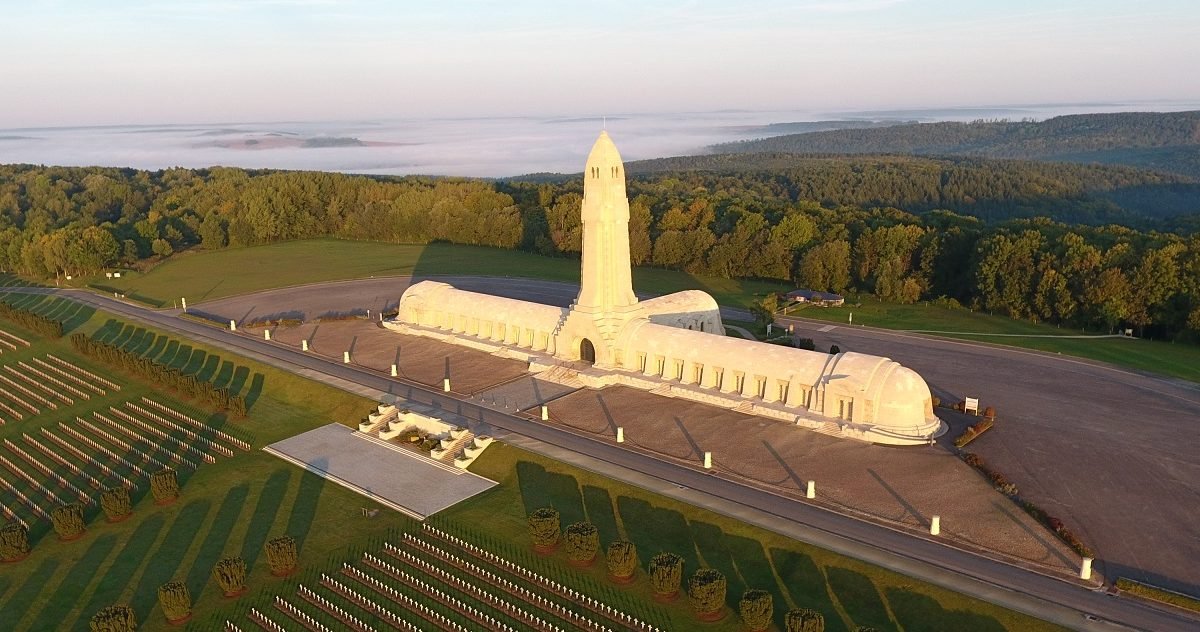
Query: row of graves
x=76, y=462
x=432, y=579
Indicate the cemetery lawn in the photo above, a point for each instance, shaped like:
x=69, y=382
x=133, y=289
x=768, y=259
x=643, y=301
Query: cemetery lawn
x=228, y=508
x=207, y=275
x=849, y=593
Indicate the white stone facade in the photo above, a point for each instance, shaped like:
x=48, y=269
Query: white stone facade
x=676, y=342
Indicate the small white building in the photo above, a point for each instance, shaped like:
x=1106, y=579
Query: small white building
x=676, y=341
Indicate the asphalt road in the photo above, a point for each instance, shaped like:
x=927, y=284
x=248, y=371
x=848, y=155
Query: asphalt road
x=1006, y=585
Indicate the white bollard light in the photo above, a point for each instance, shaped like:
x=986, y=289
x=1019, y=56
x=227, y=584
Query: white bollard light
x=812, y=490
x=935, y=525
x=184, y=303
x=395, y=371
x=1085, y=571
x=708, y=460
x=545, y=413
x=266, y=334
x=446, y=385
x=620, y=435
x=345, y=357
x=233, y=325
x=304, y=345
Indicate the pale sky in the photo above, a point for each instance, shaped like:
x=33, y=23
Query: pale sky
x=80, y=62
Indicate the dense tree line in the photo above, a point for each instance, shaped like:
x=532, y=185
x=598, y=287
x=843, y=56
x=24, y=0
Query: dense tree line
x=828, y=228
x=1169, y=141
x=993, y=190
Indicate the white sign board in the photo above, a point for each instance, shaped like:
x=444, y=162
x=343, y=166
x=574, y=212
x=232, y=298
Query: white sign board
x=972, y=405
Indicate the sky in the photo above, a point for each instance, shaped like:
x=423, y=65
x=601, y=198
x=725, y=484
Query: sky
x=97, y=62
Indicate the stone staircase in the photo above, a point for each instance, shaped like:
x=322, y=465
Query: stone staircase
x=830, y=428
x=452, y=448
x=559, y=374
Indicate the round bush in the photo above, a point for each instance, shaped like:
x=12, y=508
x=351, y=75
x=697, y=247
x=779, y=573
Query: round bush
x=544, y=527
x=281, y=555
x=706, y=588
x=583, y=541
x=14, y=542
x=622, y=559
x=666, y=573
x=804, y=620
x=113, y=619
x=757, y=608
x=68, y=521
x=175, y=600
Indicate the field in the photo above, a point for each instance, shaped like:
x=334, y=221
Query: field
x=232, y=506
x=201, y=276
x=1153, y=356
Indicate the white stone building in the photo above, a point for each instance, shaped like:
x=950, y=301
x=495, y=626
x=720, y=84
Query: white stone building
x=672, y=344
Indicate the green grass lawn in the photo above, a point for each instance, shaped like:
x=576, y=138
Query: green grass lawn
x=228, y=508
x=849, y=593
x=201, y=276
x=1175, y=360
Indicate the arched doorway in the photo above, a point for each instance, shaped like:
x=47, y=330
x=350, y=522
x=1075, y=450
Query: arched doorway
x=587, y=352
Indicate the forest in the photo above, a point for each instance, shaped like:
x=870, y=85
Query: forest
x=1167, y=141
x=879, y=229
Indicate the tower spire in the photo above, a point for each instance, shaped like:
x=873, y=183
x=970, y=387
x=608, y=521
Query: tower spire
x=606, y=284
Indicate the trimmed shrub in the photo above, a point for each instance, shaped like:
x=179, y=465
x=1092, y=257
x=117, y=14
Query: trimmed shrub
x=865, y=628
x=113, y=619
x=68, y=521
x=622, y=559
x=544, y=528
x=230, y=574
x=14, y=542
x=834, y=349
x=937, y=401
x=808, y=344
x=972, y=432
x=115, y=503
x=666, y=573
x=1158, y=594
x=164, y=485
x=175, y=600
x=757, y=608
x=989, y=413
x=583, y=540
x=706, y=588
x=804, y=620
x=281, y=555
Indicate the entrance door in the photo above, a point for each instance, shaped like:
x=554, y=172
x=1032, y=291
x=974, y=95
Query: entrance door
x=587, y=352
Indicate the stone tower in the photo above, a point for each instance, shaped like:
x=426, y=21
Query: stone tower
x=606, y=300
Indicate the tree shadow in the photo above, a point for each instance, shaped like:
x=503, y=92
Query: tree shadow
x=921, y=613
x=756, y=572
x=240, y=374
x=80, y=315
x=256, y=387
x=160, y=343
x=710, y=542
x=224, y=375
x=119, y=573
x=194, y=363
x=34, y=584
x=76, y=580
x=601, y=513
x=168, y=352
x=859, y=598
x=655, y=530
x=907, y=506
x=165, y=559
x=542, y=488
x=806, y=585
x=304, y=509
x=270, y=498
x=214, y=541
x=209, y=369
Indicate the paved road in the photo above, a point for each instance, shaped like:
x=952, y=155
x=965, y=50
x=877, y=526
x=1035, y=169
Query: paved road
x=1049, y=598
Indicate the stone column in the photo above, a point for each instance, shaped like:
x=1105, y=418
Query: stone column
x=811, y=492
x=935, y=525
